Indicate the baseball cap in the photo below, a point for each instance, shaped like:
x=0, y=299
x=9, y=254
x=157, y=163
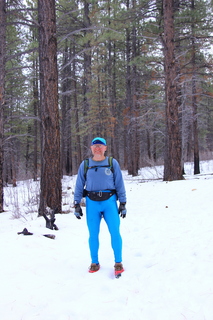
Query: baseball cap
x=99, y=140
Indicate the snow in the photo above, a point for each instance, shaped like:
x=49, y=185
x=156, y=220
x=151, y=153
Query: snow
x=167, y=254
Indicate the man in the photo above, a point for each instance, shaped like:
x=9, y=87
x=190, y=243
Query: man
x=103, y=185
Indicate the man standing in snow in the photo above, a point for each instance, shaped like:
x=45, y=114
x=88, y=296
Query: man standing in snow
x=102, y=184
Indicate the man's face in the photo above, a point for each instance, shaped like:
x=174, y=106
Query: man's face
x=98, y=149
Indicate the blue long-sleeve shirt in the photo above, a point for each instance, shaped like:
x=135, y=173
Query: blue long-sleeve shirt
x=100, y=179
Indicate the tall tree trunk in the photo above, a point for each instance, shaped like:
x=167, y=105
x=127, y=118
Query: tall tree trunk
x=2, y=84
x=27, y=155
x=115, y=141
x=65, y=111
x=111, y=84
x=195, y=127
x=13, y=165
x=194, y=101
x=134, y=104
x=129, y=144
x=69, y=166
x=172, y=164
x=87, y=73
x=131, y=101
x=35, y=125
x=51, y=193
x=75, y=105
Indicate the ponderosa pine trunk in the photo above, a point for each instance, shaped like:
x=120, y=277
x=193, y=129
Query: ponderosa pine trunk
x=86, y=73
x=172, y=163
x=51, y=189
x=195, y=101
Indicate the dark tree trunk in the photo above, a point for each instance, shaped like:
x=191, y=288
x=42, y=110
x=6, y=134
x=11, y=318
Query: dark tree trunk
x=27, y=155
x=51, y=193
x=75, y=105
x=111, y=84
x=131, y=102
x=172, y=164
x=35, y=125
x=129, y=151
x=87, y=73
x=13, y=165
x=2, y=83
x=66, y=113
x=134, y=104
x=115, y=141
x=194, y=102
x=195, y=129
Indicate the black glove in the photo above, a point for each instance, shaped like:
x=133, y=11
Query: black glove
x=78, y=211
x=122, y=209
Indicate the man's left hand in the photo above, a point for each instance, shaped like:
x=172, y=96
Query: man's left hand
x=122, y=210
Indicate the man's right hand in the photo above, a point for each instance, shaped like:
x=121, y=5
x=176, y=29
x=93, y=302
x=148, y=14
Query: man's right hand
x=78, y=211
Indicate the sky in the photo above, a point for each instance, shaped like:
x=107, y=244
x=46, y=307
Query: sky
x=167, y=254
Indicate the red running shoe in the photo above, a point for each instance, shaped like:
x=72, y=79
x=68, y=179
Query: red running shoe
x=118, y=269
x=94, y=267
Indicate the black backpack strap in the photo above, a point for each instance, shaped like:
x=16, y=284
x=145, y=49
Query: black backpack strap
x=86, y=165
x=110, y=160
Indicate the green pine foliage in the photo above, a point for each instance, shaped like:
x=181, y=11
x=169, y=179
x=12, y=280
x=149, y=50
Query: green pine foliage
x=111, y=80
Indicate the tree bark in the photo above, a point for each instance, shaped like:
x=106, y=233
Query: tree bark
x=194, y=101
x=129, y=144
x=65, y=112
x=76, y=110
x=35, y=125
x=2, y=84
x=86, y=73
x=134, y=104
x=51, y=189
x=172, y=164
x=131, y=100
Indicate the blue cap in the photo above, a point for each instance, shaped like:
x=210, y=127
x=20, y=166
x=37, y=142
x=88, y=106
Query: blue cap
x=99, y=140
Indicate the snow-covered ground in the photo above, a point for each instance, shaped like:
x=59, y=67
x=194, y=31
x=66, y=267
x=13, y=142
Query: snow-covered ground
x=167, y=254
